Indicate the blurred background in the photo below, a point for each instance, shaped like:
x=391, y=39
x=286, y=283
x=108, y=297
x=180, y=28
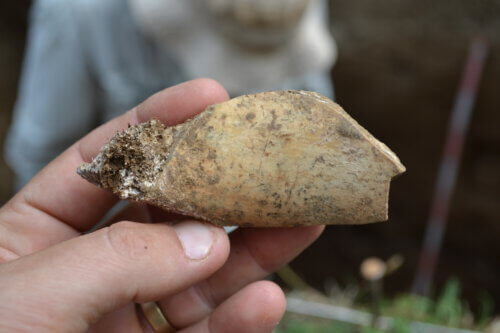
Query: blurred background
x=397, y=73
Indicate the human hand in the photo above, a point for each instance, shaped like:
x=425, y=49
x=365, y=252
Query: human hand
x=55, y=277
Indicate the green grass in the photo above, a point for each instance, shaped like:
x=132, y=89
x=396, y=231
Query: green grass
x=297, y=324
x=448, y=309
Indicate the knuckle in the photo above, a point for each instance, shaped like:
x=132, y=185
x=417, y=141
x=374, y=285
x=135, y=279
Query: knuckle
x=130, y=240
x=206, y=295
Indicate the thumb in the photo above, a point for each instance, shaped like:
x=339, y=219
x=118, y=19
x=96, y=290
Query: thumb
x=74, y=283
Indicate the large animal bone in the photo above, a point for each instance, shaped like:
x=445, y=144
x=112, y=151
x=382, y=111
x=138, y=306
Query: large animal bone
x=283, y=158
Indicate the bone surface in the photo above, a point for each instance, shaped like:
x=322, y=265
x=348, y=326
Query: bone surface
x=283, y=158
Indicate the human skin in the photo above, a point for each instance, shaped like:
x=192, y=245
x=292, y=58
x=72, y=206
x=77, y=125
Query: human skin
x=55, y=276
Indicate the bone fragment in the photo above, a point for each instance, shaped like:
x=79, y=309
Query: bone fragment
x=283, y=158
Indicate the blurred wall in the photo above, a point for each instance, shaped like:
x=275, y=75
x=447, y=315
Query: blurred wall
x=399, y=67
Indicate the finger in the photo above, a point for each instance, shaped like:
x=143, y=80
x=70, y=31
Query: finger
x=255, y=253
x=125, y=319
x=61, y=202
x=257, y=308
x=171, y=106
x=79, y=280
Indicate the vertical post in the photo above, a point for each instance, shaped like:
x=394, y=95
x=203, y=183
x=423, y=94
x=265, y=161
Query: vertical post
x=448, y=169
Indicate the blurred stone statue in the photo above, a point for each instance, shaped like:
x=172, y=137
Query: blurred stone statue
x=88, y=61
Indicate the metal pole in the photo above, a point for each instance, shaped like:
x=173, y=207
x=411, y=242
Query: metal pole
x=448, y=169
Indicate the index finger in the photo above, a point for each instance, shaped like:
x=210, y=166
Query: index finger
x=59, y=192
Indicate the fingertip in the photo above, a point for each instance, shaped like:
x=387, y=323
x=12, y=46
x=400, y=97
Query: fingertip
x=201, y=239
x=183, y=101
x=272, y=247
x=210, y=89
x=258, y=307
x=272, y=304
x=315, y=231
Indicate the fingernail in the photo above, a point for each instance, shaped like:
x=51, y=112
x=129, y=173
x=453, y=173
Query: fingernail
x=196, y=238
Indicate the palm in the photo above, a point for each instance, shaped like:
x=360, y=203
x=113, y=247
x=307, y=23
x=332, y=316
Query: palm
x=57, y=207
